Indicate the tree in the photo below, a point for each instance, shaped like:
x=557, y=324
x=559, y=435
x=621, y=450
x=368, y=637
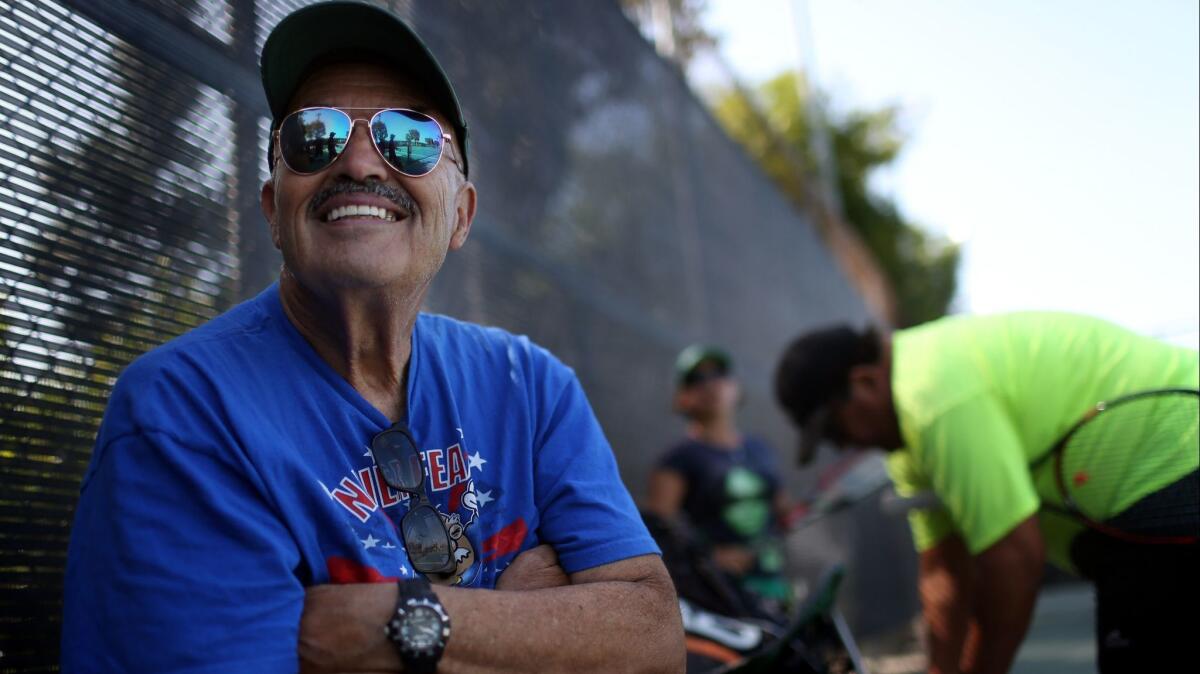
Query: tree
x=380, y=131
x=771, y=123
x=688, y=34
x=314, y=129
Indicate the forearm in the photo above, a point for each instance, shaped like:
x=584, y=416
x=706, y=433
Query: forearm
x=607, y=625
x=1002, y=618
x=1005, y=596
x=945, y=590
x=946, y=607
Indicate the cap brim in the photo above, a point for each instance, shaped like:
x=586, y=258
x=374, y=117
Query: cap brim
x=693, y=356
x=812, y=434
x=308, y=35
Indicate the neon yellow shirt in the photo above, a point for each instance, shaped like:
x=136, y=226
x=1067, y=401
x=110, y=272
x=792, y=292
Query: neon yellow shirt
x=980, y=398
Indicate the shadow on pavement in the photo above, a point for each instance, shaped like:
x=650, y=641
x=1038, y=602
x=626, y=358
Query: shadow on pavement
x=1061, y=639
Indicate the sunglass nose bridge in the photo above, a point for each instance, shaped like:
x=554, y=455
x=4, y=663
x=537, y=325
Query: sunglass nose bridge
x=365, y=141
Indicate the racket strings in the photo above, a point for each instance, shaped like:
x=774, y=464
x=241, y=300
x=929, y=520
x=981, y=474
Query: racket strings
x=1134, y=465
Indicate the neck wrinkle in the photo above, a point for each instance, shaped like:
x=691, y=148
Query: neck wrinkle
x=365, y=335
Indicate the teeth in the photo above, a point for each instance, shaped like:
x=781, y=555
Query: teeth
x=359, y=211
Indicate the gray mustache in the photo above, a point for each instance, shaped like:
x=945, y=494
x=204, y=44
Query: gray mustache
x=397, y=196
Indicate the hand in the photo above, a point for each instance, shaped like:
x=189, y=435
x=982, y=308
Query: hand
x=734, y=559
x=535, y=569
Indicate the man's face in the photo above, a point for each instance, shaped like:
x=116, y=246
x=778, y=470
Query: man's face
x=865, y=418
x=708, y=391
x=426, y=216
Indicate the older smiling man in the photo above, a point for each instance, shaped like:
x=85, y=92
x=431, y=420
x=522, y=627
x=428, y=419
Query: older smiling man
x=278, y=487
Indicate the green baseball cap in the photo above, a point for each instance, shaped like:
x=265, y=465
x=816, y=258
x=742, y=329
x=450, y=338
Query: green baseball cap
x=304, y=38
x=691, y=358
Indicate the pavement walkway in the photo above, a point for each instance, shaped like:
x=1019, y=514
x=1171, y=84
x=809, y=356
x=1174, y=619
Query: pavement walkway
x=1061, y=639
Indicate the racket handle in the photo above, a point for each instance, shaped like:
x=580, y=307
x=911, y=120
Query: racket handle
x=894, y=504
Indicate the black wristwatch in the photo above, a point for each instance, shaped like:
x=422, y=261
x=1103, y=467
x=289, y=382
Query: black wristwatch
x=420, y=628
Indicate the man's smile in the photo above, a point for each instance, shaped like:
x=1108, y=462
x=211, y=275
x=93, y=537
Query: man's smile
x=358, y=211
x=360, y=206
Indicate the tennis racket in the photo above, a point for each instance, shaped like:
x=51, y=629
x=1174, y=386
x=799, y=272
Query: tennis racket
x=1123, y=444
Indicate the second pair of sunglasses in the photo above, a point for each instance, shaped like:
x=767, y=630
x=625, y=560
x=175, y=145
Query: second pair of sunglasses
x=424, y=532
x=311, y=139
x=701, y=375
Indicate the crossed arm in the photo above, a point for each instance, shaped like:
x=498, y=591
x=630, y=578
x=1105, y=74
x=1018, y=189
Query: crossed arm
x=617, y=617
x=977, y=608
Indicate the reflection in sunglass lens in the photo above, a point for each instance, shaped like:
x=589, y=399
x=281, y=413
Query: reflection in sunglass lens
x=397, y=457
x=410, y=141
x=426, y=539
x=309, y=140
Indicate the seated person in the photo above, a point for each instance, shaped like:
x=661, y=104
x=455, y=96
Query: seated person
x=725, y=483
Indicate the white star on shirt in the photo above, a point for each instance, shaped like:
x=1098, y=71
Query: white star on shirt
x=368, y=452
x=369, y=542
x=476, y=461
x=485, y=497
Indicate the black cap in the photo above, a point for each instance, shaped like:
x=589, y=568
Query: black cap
x=814, y=370
x=309, y=35
x=690, y=358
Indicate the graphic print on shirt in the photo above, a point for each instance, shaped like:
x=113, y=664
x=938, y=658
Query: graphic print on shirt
x=747, y=510
x=451, y=485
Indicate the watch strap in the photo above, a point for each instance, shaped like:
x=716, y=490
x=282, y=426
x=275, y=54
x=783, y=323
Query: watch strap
x=411, y=594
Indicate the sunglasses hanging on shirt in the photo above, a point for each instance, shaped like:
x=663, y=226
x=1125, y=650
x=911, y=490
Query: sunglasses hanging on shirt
x=425, y=535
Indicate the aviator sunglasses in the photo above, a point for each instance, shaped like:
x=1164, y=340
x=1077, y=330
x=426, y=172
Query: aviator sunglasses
x=310, y=139
x=425, y=535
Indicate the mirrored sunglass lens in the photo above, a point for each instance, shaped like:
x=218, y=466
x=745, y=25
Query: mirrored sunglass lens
x=426, y=540
x=410, y=141
x=309, y=140
x=397, y=457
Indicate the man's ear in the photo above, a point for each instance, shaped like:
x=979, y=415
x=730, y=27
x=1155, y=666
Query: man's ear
x=741, y=397
x=268, y=208
x=738, y=394
x=680, y=402
x=464, y=214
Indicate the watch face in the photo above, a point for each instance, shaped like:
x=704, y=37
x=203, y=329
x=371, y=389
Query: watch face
x=422, y=628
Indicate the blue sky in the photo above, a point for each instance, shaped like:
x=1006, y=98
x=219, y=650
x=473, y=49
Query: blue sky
x=1059, y=140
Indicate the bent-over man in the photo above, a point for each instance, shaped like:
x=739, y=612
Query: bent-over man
x=969, y=408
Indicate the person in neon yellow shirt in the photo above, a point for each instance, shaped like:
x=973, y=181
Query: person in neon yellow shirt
x=966, y=406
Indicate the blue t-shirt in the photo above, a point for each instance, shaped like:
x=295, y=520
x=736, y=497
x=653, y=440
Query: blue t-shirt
x=232, y=470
